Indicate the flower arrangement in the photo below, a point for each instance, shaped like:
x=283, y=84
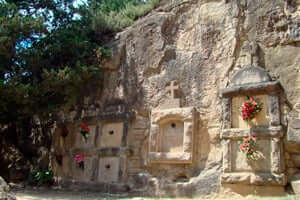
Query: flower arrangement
x=79, y=159
x=247, y=146
x=84, y=130
x=250, y=108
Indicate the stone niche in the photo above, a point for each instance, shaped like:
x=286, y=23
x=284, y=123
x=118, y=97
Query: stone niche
x=111, y=134
x=171, y=137
x=266, y=127
x=109, y=168
x=105, y=151
x=111, y=144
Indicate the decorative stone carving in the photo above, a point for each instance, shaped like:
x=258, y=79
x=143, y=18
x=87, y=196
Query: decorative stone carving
x=237, y=169
x=172, y=132
x=250, y=74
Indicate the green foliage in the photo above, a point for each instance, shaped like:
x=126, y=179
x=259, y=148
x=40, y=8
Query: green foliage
x=120, y=15
x=48, y=57
x=40, y=177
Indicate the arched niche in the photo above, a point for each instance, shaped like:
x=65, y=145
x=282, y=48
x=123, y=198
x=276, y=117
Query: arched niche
x=171, y=135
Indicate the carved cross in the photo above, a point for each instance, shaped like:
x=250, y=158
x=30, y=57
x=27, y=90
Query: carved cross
x=172, y=88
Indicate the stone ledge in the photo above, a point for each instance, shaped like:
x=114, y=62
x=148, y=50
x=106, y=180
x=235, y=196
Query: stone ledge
x=275, y=131
x=170, y=158
x=103, y=152
x=254, y=179
x=252, y=88
x=184, y=113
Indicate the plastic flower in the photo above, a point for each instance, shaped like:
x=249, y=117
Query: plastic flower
x=79, y=158
x=249, y=108
x=84, y=130
x=247, y=146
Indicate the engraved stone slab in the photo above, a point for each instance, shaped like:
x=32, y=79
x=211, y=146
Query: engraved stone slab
x=111, y=135
x=250, y=74
x=170, y=103
x=66, y=165
x=171, y=137
x=109, y=168
x=240, y=163
x=261, y=118
x=83, y=174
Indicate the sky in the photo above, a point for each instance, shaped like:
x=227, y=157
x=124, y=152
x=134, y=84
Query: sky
x=78, y=2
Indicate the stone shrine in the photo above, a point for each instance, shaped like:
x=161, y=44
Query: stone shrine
x=269, y=170
x=172, y=131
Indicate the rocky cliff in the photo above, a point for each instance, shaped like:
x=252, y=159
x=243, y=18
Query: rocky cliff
x=200, y=44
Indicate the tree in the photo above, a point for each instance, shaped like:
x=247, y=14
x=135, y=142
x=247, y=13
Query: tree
x=50, y=56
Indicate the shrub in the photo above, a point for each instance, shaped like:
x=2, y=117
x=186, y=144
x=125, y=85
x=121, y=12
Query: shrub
x=41, y=177
x=117, y=20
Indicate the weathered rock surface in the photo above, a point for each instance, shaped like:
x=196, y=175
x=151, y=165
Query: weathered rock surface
x=4, y=189
x=201, y=45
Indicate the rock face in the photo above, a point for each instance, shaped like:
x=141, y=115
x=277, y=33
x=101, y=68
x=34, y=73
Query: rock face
x=201, y=46
x=4, y=188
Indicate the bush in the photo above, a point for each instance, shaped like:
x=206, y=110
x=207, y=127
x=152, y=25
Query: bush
x=41, y=177
x=115, y=21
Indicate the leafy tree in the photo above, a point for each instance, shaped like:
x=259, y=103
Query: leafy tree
x=50, y=53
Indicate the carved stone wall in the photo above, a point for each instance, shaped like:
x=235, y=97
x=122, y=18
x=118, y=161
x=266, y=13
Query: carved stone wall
x=105, y=151
x=202, y=46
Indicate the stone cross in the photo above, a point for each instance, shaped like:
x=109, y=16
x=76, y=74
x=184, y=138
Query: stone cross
x=172, y=88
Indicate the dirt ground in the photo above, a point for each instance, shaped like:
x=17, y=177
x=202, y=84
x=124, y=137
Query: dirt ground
x=43, y=194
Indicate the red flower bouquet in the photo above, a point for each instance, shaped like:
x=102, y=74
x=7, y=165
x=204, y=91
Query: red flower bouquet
x=247, y=146
x=79, y=159
x=84, y=130
x=250, y=108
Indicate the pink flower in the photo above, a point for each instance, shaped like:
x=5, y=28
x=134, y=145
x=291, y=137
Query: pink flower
x=79, y=158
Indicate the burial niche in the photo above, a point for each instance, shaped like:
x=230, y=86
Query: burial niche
x=109, y=169
x=171, y=136
x=112, y=143
x=252, y=133
x=111, y=134
x=172, y=131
